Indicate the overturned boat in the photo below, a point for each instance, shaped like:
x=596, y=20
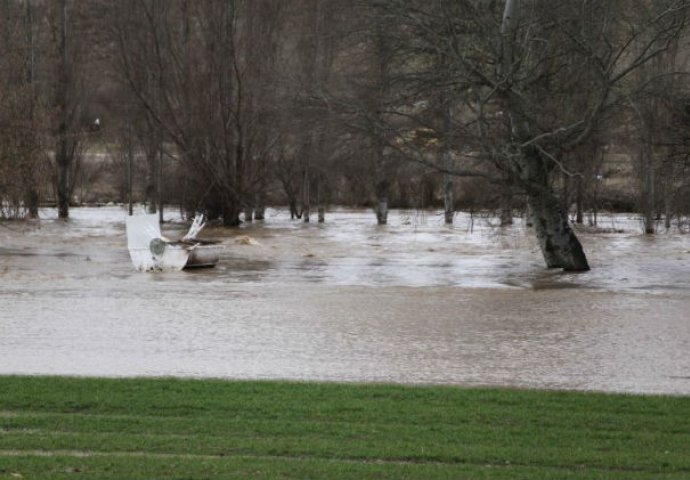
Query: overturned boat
x=150, y=250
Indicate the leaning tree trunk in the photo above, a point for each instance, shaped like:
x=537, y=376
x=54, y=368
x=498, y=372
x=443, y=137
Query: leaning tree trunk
x=559, y=245
x=558, y=242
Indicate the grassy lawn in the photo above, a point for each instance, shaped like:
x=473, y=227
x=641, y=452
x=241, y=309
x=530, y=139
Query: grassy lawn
x=55, y=427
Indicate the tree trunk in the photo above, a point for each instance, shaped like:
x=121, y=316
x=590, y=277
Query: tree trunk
x=62, y=157
x=294, y=214
x=578, y=202
x=565, y=195
x=31, y=199
x=159, y=186
x=319, y=202
x=668, y=200
x=306, y=205
x=130, y=160
x=260, y=197
x=382, y=202
x=231, y=214
x=448, y=200
x=558, y=243
x=529, y=221
x=260, y=210
x=382, y=211
x=648, y=197
x=151, y=181
x=31, y=202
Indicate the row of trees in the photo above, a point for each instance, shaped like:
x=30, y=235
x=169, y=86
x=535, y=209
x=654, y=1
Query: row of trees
x=43, y=104
x=230, y=101
x=21, y=114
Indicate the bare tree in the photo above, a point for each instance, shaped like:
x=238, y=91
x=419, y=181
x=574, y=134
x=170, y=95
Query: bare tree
x=22, y=114
x=523, y=62
x=208, y=100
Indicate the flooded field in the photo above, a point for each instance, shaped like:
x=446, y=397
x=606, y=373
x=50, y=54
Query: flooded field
x=411, y=302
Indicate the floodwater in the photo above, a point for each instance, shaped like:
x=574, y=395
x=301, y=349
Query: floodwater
x=412, y=302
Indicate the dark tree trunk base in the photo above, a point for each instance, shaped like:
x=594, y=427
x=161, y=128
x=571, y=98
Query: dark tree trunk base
x=382, y=212
x=558, y=242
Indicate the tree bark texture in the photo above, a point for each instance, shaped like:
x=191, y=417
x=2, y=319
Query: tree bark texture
x=558, y=243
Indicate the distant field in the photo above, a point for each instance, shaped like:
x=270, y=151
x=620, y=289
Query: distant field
x=54, y=428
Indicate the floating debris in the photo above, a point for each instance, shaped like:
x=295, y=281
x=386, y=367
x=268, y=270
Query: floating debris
x=151, y=251
x=246, y=240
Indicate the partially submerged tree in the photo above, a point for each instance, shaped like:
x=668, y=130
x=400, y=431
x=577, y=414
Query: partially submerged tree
x=69, y=95
x=23, y=159
x=200, y=72
x=522, y=67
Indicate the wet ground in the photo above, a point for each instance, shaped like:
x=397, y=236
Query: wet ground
x=411, y=302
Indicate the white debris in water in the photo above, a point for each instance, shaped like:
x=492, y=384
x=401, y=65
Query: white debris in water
x=149, y=250
x=246, y=240
x=195, y=228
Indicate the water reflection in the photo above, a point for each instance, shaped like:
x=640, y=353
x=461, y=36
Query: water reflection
x=415, y=301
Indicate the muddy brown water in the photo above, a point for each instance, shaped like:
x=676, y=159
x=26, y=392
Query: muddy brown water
x=413, y=302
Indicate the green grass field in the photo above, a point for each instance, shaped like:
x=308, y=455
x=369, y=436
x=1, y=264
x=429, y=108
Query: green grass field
x=56, y=427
